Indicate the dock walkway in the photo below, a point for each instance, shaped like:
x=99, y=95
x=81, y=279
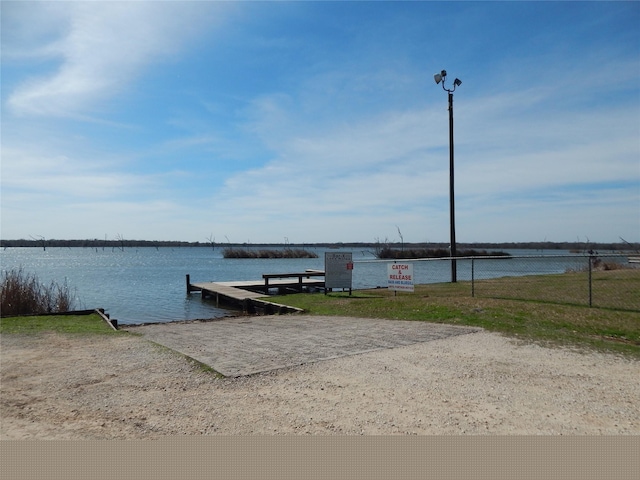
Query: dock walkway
x=250, y=294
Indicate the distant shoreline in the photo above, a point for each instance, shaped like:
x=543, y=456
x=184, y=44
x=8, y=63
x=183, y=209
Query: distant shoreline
x=121, y=244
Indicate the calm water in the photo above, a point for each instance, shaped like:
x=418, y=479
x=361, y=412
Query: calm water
x=140, y=285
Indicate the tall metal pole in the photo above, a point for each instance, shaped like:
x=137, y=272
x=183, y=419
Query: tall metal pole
x=440, y=77
x=452, y=213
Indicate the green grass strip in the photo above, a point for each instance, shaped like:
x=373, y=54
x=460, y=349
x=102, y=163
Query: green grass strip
x=74, y=324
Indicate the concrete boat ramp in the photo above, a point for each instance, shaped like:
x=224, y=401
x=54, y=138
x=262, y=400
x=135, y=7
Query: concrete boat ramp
x=240, y=346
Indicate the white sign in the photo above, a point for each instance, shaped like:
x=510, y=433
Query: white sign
x=400, y=276
x=338, y=267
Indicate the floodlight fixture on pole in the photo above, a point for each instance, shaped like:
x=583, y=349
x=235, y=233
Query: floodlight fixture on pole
x=441, y=77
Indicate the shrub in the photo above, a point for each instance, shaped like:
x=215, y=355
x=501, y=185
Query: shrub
x=23, y=294
x=600, y=265
x=231, y=252
x=386, y=252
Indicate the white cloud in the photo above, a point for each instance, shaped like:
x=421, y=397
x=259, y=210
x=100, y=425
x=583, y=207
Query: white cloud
x=57, y=176
x=101, y=49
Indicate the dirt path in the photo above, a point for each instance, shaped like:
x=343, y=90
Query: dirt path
x=64, y=387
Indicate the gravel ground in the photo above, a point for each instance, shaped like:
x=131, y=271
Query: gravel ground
x=102, y=387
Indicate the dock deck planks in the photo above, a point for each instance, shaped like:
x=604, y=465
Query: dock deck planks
x=228, y=289
x=250, y=300
x=250, y=294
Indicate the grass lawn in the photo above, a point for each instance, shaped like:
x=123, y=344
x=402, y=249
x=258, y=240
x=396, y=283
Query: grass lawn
x=74, y=324
x=617, y=289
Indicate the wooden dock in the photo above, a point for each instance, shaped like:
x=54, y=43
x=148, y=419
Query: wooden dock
x=250, y=294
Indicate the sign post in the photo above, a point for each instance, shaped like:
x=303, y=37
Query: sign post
x=338, y=269
x=400, y=276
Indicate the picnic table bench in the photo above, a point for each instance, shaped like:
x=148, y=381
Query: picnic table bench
x=307, y=274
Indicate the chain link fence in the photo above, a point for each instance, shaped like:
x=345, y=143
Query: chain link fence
x=604, y=281
x=594, y=280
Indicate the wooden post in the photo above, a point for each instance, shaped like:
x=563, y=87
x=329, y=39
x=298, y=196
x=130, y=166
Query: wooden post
x=188, y=284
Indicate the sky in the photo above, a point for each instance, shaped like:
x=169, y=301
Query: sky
x=309, y=122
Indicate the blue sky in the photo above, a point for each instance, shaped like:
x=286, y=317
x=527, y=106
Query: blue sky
x=320, y=121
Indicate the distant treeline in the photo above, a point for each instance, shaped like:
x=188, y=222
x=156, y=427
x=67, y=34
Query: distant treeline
x=121, y=244
x=96, y=243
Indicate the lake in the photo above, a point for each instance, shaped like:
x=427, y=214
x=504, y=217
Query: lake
x=141, y=285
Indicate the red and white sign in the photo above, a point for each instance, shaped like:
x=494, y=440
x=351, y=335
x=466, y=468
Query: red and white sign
x=400, y=276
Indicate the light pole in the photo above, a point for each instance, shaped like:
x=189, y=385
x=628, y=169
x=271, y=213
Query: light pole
x=440, y=77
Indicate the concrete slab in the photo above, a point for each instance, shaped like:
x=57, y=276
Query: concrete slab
x=247, y=345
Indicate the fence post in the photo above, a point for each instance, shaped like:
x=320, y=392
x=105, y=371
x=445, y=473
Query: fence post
x=590, y=288
x=473, y=283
